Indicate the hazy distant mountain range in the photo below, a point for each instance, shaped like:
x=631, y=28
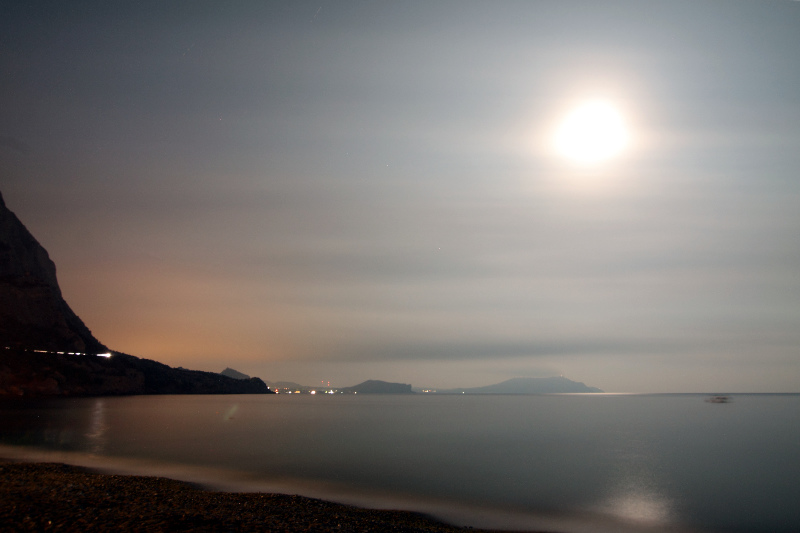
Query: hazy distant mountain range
x=47, y=350
x=374, y=386
x=288, y=385
x=512, y=386
x=558, y=384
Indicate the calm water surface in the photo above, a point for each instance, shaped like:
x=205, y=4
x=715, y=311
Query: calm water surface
x=572, y=462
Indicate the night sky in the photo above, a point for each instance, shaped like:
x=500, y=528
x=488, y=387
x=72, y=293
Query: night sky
x=356, y=190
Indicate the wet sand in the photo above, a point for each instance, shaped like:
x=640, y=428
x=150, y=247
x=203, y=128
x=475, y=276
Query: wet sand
x=59, y=497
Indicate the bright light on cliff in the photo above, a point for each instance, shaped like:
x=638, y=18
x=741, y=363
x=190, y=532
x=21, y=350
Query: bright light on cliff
x=104, y=355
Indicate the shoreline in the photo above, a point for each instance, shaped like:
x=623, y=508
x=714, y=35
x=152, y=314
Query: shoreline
x=213, y=479
x=239, y=490
x=51, y=496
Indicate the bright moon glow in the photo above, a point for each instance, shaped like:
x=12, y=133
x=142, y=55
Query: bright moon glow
x=591, y=133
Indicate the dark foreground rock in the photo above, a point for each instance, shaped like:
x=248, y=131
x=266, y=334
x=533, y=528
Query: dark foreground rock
x=57, y=497
x=28, y=373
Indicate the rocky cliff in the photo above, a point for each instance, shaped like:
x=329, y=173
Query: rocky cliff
x=46, y=350
x=32, y=312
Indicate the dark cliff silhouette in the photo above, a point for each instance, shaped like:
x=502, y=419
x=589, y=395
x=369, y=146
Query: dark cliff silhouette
x=32, y=312
x=26, y=373
x=45, y=349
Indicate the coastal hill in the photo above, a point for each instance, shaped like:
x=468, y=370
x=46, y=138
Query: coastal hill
x=235, y=374
x=47, y=350
x=29, y=373
x=558, y=384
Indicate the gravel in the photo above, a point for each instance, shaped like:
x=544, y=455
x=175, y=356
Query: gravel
x=58, y=497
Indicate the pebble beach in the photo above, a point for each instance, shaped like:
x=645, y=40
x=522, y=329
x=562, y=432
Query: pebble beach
x=59, y=497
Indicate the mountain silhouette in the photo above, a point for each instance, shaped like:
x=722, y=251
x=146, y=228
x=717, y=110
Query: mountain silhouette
x=374, y=386
x=33, y=314
x=558, y=384
x=46, y=350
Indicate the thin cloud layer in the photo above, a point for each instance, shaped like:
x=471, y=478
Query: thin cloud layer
x=370, y=188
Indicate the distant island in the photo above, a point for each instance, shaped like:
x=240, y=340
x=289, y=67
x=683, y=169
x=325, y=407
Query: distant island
x=374, y=386
x=47, y=350
x=557, y=384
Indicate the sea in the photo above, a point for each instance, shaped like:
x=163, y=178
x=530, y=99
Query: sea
x=554, y=462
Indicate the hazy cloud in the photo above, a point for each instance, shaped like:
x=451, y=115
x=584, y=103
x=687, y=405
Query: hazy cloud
x=372, y=183
x=14, y=144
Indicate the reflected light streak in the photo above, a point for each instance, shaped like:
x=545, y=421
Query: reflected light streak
x=229, y=414
x=97, y=430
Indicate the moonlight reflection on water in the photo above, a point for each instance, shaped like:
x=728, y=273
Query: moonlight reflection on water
x=631, y=462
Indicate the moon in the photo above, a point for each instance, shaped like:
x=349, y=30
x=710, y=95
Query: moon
x=591, y=133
